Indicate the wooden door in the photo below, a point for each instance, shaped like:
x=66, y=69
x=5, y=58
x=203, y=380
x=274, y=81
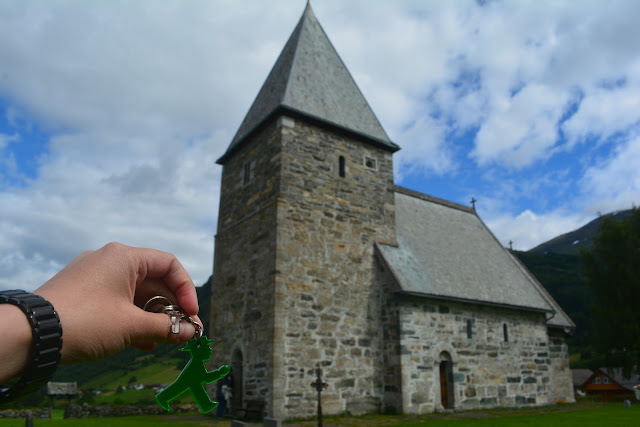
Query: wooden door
x=443, y=384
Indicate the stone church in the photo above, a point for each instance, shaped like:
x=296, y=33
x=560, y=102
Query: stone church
x=407, y=302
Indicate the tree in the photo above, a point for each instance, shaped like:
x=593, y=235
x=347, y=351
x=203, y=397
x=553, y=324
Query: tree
x=612, y=267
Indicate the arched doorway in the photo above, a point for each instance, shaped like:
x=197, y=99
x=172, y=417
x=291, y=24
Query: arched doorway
x=446, y=381
x=236, y=371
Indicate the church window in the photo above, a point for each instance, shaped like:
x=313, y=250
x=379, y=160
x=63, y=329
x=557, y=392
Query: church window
x=371, y=163
x=505, y=332
x=341, y=167
x=247, y=172
x=469, y=329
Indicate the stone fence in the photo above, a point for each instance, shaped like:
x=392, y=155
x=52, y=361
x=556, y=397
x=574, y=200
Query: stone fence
x=22, y=413
x=88, y=411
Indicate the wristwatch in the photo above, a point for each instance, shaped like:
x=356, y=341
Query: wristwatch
x=45, y=346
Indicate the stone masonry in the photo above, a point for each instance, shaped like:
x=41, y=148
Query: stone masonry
x=487, y=370
x=295, y=267
x=327, y=301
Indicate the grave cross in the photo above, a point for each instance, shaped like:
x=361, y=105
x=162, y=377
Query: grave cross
x=319, y=385
x=473, y=203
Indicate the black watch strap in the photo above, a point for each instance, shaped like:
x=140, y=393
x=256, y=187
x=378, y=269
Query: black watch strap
x=45, y=346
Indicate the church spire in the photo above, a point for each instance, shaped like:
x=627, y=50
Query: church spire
x=310, y=80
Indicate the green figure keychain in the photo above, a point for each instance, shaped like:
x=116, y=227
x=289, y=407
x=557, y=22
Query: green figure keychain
x=195, y=375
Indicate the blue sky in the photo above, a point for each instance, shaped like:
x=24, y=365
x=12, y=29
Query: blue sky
x=112, y=113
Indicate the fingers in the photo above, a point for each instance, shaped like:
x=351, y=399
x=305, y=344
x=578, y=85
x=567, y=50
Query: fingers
x=161, y=272
x=156, y=327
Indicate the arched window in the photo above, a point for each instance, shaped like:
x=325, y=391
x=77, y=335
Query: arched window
x=469, y=329
x=505, y=332
x=341, y=167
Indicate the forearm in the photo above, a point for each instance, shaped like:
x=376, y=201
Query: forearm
x=16, y=341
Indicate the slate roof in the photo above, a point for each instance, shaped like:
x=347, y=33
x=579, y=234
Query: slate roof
x=580, y=376
x=310, y=79
x=445, y=251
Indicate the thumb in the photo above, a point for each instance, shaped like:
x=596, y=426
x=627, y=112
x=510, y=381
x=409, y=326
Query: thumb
x=156, y=327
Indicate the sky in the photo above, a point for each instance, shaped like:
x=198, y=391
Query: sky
x=113, y=113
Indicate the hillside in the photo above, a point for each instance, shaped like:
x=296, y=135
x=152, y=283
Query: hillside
x=563, y=277
x=558, y=266
x=569, y=243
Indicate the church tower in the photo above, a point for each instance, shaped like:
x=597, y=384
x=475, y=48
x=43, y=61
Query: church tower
x=306, y=192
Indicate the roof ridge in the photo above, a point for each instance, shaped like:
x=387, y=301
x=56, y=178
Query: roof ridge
x=428, y=198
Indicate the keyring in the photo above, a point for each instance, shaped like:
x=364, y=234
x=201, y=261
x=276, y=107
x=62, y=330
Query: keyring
x=175, y=313
x=154, y=299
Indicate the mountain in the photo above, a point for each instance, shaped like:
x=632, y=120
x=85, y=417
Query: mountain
x=569, y=243
x=558, y=267
x=563, y=277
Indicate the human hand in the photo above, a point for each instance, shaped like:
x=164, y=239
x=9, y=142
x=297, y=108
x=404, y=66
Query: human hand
x=99, y=296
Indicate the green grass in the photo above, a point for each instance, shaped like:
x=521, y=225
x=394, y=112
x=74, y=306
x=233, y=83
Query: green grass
x=608, y=416
x=149, y=420
x=590, y=414
x=581, y=414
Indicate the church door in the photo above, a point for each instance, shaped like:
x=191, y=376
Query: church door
x=444, y=384
x=446, y=381
x=236, y=390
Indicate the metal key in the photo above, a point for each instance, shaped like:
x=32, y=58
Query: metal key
x=176, y=315
x=160, y=304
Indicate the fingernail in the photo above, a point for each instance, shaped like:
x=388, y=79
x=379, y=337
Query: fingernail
x=187, y=331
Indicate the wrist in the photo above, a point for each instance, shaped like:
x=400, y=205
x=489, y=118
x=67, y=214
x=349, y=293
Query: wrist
x=17, y=333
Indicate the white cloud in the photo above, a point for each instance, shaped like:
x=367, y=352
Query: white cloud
x=425, y=149
x=527, y=229
x=522, y=129
x=615, y=183
x=603, y=113
x=75, y=206
x=140, y=98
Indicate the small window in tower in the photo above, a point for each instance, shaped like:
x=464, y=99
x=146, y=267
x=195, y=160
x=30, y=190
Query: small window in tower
x=247, y=172
x=341, y=167
x=469, y=329
x=505, y=332
x=371, y=163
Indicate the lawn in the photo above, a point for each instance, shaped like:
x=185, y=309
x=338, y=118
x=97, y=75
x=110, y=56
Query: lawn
x=599, y=414
x=611, y=415
x=149, y=420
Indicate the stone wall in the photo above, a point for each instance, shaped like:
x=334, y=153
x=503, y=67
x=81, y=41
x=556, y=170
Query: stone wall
x=562, y=380
x=328, y=297
x=242, y=297
x=90, y=411
x=36, y=413
x=391, y=369
x=487, y=371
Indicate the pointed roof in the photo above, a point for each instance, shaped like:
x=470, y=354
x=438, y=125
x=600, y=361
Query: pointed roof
x=309, y=79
